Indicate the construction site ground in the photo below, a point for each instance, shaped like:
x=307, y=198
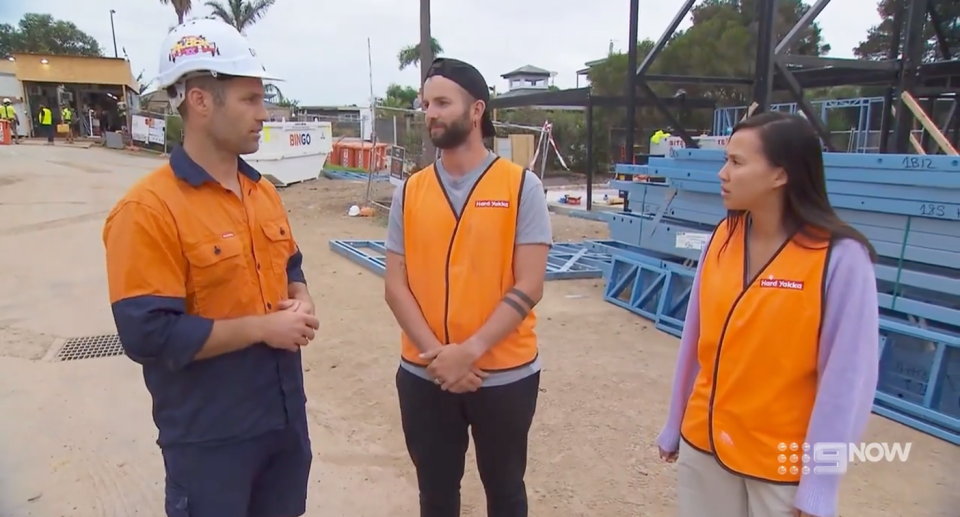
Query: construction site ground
x=77, y=440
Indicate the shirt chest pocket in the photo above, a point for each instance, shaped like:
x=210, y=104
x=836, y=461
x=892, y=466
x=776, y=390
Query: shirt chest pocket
x=215, y=265
x=276, y=246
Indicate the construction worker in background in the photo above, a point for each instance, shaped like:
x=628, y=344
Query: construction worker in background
x=66, y=116
x=467, y=246
x=8, y=113
x=659, y=136
x=209, y=295
x=418, y=101
x=781, y=268
x=45, y=123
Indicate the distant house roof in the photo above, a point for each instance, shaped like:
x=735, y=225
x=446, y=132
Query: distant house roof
x=591, y=64
x=155, y=95
x=107, y=71
x=330, y=108
x=527, y=70
x=161, y=96
x=516, y=92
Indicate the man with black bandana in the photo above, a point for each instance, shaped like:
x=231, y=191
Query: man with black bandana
x=467, y=247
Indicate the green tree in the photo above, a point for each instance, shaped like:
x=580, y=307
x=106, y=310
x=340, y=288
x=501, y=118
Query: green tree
x=410, y=55
x=399, y=96
x=181, y=7
x=293, y=104
x=743, y=12
x=143, y=84
x=720, y=42
x=42, y=34
x=241, y=14
x=877, y=43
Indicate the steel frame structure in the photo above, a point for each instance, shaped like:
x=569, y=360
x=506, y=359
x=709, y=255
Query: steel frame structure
x=583, y=97
x=869, y=115
x=776, y=69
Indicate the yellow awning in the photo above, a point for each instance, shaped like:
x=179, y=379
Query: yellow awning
x=45, y=68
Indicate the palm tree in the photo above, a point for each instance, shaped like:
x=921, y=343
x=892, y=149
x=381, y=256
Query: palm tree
x=182, y=8
x=272, y=93
x=410, y=55
x=143, y=85
x=240, y=13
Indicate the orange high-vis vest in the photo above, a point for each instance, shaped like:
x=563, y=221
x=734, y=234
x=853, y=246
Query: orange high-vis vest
x=754, y=394
x=459, y=269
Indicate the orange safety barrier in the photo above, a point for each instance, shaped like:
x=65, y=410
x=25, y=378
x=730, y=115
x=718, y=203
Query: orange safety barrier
x=358, y=155
x=5, y=137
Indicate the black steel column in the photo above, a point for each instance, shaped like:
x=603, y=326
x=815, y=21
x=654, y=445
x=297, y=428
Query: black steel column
x=942, y=43
x=648, y=62
x=954, y=125
x=763, y=80
x=886, y=116
x=632, y=78
x=914, y=43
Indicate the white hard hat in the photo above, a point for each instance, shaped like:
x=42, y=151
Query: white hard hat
x=205, y=46
x=6, y=101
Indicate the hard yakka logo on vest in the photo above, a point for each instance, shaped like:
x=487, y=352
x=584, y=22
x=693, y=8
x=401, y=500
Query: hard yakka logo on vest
x=492, y=203
x=777, y=283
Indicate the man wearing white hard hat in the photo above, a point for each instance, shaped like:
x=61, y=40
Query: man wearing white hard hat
x=209, y=296
x=8, y=113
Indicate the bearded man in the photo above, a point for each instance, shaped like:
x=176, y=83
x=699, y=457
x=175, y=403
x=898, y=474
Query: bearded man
x=467, y=246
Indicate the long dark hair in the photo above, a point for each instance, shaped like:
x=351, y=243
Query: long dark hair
x=790, y=142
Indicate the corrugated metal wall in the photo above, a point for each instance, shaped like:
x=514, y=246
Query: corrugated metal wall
x=11, y=88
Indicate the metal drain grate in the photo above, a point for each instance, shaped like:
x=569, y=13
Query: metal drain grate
x=90, y=347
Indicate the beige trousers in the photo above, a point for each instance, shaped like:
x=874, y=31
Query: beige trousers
x=705, y=489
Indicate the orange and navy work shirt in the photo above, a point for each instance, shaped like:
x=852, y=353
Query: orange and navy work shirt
x=758, y=379
x=460, y=266
x=183, y=251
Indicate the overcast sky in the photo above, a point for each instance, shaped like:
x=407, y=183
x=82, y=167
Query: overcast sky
x=320, y=47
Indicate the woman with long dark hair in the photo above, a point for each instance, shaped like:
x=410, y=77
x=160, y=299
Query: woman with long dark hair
x=779, y=354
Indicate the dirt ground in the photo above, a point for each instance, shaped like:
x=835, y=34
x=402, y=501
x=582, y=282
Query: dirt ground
x=604, y=394
x=76, y=439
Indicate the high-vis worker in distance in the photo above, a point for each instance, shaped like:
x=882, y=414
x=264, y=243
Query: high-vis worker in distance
x=779, y=348
x=66, y=117
x=467, y=245
x=45, y=125
x=8, y=113
x=209, y=295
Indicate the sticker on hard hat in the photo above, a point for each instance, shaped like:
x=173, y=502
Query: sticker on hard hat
x=297, y=139
x=192, y=46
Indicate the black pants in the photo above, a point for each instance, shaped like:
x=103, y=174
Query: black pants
x=435, y=426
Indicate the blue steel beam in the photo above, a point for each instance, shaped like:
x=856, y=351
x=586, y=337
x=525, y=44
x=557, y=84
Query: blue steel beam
x=566, y=261
x=923, y=292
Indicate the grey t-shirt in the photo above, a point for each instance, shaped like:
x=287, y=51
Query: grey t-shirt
x=533, y=227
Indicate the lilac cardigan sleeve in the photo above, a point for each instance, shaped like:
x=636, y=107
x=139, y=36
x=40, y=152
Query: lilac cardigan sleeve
x=848, y=366
x=687, y=367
